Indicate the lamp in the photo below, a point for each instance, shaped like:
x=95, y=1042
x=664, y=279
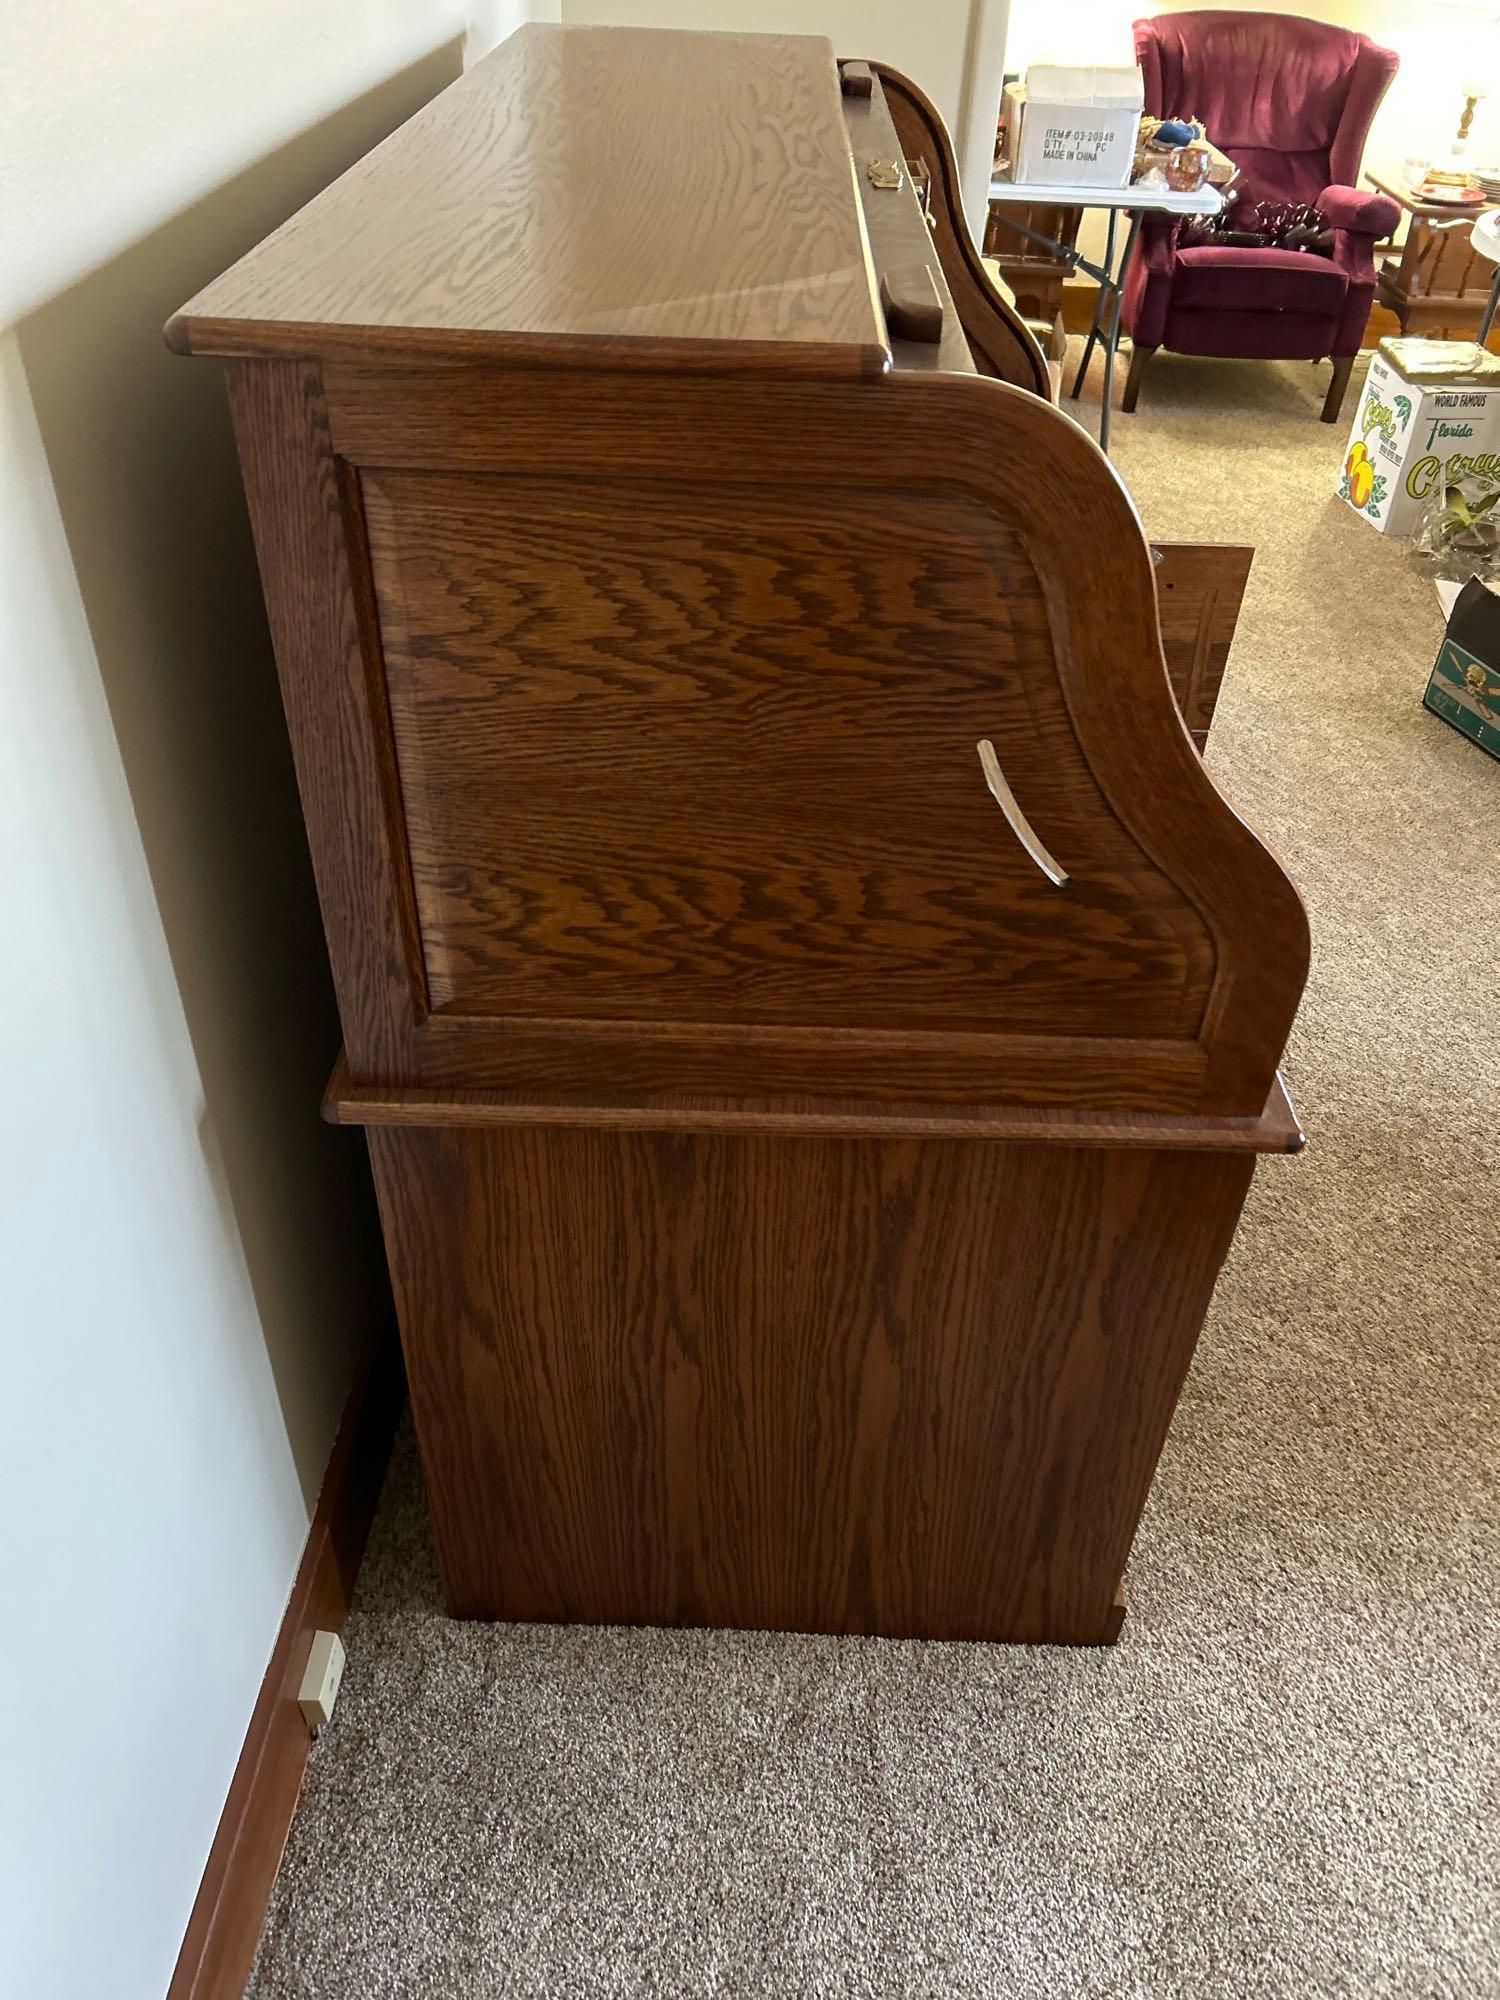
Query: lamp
x=1481, y=56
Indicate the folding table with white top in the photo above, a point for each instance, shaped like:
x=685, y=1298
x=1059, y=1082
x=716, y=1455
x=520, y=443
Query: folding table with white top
x=1134, y=201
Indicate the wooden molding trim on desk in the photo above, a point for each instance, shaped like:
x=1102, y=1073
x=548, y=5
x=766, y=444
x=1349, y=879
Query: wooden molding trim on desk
x=218, y=1947
x=231, y=339
x=1276, y=1130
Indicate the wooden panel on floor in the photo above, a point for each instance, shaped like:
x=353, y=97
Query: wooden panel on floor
x=1199, y=589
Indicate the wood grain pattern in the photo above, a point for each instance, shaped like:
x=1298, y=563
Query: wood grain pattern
x=1277, y=1130
x=682, y=753
x=900, y=1386
x=1200, y=587
x=1011, y=511
x=681, y=198
x=578, y=1057
x=224, y=1929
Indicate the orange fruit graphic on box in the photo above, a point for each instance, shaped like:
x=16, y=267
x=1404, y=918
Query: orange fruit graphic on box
x=1360, y=468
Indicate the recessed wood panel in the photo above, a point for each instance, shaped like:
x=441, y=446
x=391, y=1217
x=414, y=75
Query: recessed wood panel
x=708, y=752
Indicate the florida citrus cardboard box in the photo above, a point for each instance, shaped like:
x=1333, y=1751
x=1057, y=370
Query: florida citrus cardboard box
x=1429, y=416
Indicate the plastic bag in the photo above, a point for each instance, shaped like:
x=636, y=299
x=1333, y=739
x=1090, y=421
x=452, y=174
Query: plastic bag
x=1458, y=535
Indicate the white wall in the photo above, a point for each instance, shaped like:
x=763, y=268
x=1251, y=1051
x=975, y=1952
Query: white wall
x=187, y=1261
x=928, y=42
x=942, y=45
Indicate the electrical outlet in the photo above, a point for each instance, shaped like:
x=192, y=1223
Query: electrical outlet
x=320, y=1683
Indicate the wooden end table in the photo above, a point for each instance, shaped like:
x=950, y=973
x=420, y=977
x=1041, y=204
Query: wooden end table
x=1487, y=243
x=1438, y=281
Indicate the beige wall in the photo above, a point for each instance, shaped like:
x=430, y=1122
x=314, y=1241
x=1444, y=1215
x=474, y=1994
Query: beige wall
x=187, y=1257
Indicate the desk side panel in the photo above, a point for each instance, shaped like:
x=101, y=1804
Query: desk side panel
x=636, y=723
x=913, y=1387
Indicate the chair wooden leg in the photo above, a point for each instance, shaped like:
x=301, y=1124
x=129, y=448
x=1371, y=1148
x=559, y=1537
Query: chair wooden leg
x=1333, y=402
x=1139, y=357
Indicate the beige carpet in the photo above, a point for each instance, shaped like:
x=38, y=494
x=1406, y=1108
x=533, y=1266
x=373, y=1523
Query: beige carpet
x=1279, y=1784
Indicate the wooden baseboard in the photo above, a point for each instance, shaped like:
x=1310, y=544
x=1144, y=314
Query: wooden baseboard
x=218, y=1948
x=1078, y=296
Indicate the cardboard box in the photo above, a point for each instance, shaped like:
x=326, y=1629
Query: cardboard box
x=1075, y=127
x=1465, y=685
x=1429, y=416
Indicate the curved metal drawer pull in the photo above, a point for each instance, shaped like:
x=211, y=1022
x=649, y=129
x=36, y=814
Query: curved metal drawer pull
x=1020, y=825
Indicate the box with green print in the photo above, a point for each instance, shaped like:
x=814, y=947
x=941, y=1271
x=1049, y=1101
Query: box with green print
x=1421, y=425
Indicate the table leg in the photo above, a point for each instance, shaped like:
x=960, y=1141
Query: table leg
x=1111, y=345
x=1096, y=327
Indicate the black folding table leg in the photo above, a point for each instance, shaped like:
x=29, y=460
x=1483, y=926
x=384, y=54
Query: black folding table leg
x=1112, y=344
x=1096, y=328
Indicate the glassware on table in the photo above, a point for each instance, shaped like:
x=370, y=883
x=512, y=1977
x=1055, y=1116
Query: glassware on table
x=1187, y=168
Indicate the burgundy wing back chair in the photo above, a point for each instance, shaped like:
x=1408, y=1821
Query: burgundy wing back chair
x=1291, y=102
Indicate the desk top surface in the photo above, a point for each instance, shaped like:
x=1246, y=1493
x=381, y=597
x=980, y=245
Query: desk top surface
x=646, y=187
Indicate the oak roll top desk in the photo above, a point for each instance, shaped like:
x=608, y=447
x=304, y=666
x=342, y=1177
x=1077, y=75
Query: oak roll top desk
x=814, y=1015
